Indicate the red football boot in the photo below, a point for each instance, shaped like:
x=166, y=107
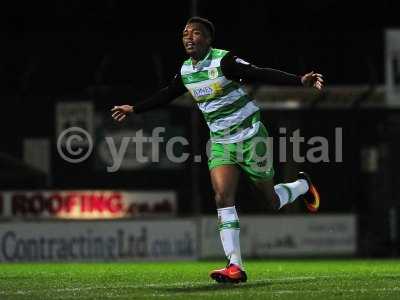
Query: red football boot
x=232, y=273
x=311, y=198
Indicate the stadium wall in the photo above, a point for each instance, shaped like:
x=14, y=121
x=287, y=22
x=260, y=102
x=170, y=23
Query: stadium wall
x=178, y=239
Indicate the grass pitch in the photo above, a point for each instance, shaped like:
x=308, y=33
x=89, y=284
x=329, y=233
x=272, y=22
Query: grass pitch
x=274, y=279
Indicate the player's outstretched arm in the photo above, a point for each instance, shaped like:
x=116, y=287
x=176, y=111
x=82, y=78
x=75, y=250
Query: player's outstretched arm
x=235, y=68
x=159, y=99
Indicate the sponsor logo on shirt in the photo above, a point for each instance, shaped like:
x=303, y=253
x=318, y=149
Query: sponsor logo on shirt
x=202, y=92
x=209, y=92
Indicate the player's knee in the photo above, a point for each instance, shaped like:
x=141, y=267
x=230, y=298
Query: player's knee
x=223, y=199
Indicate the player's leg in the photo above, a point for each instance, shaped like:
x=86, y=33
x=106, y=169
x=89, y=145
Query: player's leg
x=281, y=194
x=257, y=165
x=264, y=190
x=224, y=180
x=224, y=177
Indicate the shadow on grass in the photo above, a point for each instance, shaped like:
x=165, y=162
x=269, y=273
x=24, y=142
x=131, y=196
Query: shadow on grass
x=224, y=286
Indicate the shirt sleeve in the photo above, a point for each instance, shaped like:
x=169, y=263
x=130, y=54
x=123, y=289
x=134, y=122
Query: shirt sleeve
x=237, y=69
x=164, y=96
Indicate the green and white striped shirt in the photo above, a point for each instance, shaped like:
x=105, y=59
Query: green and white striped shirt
x=229, y=112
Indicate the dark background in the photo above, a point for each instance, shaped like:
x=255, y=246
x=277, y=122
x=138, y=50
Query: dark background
x=51, y=47
x=115, y=52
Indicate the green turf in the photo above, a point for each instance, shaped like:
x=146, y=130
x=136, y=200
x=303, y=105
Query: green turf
x=275, y=279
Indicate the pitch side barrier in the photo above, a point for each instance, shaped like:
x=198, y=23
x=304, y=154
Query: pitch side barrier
x=174, y=239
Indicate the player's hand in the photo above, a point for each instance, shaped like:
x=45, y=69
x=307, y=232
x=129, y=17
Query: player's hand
x=313, y=79
x=119, y=113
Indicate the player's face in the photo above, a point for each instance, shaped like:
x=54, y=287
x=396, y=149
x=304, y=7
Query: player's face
x=196, y=40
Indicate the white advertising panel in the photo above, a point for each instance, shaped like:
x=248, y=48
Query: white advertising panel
x=98, y=241
x=393, y=67
x=74, y=114
x=285, y=236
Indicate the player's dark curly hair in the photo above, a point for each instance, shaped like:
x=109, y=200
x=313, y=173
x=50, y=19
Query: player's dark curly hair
x=207, y=23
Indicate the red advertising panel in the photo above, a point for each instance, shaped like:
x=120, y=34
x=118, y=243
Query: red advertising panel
x=86, y=204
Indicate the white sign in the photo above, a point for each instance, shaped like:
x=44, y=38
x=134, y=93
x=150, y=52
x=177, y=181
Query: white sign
x=393, y=67
x=86, y=204
x=74, y=114
x=98, y=241
x=285, y=236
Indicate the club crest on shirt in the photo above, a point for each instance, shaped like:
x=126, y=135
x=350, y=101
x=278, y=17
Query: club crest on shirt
x=213, y=73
